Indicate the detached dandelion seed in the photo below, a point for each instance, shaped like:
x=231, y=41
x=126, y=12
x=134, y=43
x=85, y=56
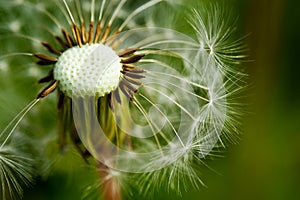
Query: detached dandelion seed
x=16, y=172
x=145, y=100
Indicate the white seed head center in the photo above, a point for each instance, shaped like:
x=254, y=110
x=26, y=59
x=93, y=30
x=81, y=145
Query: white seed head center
x=90, y=70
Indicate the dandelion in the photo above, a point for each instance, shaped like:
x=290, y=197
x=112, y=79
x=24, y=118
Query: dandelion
x=135, y=99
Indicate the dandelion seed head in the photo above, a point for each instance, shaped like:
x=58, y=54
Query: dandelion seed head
x=152, y=101
x=92, y=70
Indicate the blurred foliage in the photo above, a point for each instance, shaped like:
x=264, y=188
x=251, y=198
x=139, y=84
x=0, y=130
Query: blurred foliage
x=265, y=165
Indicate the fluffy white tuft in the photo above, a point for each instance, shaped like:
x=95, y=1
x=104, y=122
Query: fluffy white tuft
x=16, y=171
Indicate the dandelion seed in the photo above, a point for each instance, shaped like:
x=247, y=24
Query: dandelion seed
x=145, y=100
x=16, y=172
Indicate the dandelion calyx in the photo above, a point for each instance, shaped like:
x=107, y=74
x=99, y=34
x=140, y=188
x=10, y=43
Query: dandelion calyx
x=90, y=70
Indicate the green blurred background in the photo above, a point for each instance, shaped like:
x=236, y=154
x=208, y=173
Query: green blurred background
x=266, y=163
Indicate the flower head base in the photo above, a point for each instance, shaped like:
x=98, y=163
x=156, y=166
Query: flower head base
x=90, y=70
